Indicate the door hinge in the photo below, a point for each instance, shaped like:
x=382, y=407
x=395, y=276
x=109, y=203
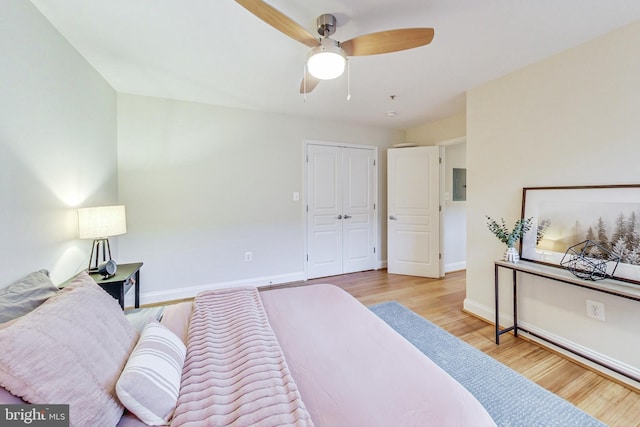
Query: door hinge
x=374, y=206
x=440, y=160
x=307, y=257
x=374, y=163
x=440, y=208
x=374, y=249
x=440, y=256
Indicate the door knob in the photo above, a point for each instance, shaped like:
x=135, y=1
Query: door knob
x=393, y=218
x=347, y=216
x=339, y=217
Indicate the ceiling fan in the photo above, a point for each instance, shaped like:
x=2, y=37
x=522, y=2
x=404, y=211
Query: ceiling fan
x=327, y=57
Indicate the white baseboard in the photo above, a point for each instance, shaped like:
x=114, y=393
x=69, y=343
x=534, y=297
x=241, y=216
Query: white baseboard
x=480, y=310
x=455, y=266
x=488, y=314
x=190, y=292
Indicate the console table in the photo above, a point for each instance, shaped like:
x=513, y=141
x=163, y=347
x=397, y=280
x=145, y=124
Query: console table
x=607, y=286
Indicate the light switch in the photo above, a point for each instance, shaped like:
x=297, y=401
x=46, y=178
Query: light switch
x=296, y=196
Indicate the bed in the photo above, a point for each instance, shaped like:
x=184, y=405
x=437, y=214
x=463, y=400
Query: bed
x=306, y=355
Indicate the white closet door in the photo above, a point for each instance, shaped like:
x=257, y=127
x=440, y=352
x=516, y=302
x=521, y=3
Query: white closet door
x=340, y=210
x=358, y=212
x=324, y=211
x=413, y=205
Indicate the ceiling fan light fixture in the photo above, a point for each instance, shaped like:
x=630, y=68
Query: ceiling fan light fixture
x=326, y=61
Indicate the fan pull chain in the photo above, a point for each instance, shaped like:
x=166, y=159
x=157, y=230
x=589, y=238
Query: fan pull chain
x=348, y=80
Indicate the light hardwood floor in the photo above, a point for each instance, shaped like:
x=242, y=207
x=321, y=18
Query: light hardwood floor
x=441, y=300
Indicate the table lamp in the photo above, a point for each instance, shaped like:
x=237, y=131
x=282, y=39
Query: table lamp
x=100, y=223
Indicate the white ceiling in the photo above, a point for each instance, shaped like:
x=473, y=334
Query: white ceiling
x=216, y=52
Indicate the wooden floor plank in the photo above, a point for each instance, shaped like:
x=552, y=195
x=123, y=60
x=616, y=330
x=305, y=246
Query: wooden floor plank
x=441, y=300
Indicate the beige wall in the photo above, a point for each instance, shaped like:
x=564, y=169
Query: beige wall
x=442, y=130
x=204, y=184
x=57, y=146
x=569, y=120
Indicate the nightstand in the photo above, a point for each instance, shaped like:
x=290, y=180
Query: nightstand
x=126, y=277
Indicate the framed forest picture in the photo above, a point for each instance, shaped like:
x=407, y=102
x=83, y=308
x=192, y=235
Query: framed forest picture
x=566, y=216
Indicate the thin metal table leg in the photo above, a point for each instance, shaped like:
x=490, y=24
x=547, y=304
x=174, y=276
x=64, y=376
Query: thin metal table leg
x=515, y=304
x=496, y=290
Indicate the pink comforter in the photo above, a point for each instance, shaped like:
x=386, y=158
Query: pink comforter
x=352, y=369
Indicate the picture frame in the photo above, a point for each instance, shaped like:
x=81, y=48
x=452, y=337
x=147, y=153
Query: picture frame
x=567, y=215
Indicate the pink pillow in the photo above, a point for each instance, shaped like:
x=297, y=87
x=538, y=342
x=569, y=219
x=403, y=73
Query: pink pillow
x=70, y=350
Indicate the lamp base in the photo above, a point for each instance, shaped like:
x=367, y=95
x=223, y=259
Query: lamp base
x=99, y=245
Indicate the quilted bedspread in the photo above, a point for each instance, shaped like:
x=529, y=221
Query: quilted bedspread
x=235, y=372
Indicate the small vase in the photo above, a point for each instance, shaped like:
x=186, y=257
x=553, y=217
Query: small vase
x=511, y=255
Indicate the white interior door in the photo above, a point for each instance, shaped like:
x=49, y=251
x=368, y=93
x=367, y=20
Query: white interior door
x=324, y=211
x=340, y=210
x=358, y=210
x=413, y=225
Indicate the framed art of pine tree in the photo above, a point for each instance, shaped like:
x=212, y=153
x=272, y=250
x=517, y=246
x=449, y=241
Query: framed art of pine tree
x=565, y=216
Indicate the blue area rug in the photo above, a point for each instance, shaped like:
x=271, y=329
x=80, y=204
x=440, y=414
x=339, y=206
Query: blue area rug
x=510, y=398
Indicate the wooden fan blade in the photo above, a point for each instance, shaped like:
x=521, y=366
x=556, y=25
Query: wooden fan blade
x=279, y=21
x=388, y=41
x=310, y=84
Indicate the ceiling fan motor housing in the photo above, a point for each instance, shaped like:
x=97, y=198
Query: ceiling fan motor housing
x=326, y=61
x=326, y=24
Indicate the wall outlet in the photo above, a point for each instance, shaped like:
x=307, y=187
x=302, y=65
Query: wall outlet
x=595, y=310
x=248, y=256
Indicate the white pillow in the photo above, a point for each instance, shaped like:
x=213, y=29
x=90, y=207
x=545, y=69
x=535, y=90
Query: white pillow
x=150, y=381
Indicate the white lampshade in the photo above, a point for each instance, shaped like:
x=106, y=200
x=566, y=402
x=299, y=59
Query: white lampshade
x=101, y=221
x=327, y=61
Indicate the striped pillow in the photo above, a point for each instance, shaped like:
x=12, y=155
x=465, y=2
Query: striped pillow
x=149, y=384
